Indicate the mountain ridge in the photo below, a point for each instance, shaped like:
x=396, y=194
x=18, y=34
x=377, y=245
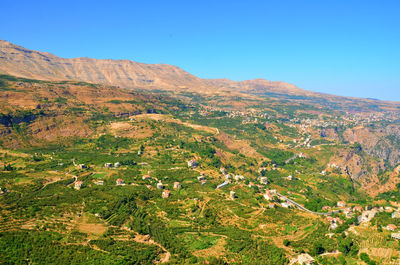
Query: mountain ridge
x=19, y=61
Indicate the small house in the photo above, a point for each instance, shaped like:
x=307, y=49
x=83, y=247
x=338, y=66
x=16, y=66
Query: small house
x=192, y=163
x=107, y=165
x=366, y=216
x=391, y=227
x=333, y=226
x=232, y=195
x=78, y=185
x=388, y=209
x=396, y=236
x=120, y=182
x=223, y=171
x=338, y=220
x=166, y=194
x=117, y=164
x=99, y=182
x=341, y=204
x=347, y=211
x=269, y=194
x=238, y=177
x=146, y=177
x=200, y=178
x=177, y=185
x=82, y=166
x=160, y=186
x=326, y=208
x=264, y=180
x=396, y=214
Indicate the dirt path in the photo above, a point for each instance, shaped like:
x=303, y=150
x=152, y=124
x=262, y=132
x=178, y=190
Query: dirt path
x=145, y=239
x=168, y=118
x=278, y=241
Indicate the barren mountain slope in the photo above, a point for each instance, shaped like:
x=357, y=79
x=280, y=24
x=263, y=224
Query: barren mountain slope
x=18, y=61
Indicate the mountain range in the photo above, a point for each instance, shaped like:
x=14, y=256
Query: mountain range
x=19, y=61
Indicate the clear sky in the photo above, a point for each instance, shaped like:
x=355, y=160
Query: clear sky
x=344, y=47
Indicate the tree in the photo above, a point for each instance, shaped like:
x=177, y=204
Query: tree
x=317, y=249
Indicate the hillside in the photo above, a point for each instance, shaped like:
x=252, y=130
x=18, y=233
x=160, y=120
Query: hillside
x=33, y=112
x=251, y=172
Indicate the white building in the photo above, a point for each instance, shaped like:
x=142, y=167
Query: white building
x=177, y=185
x=160, y=186
x=264, y=180
x=305, y=259
x=222, y=185
x=192, y=163
x=366, y=216
x=78, y=185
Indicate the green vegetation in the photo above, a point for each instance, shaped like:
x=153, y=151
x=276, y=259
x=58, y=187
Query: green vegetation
x=61, y=160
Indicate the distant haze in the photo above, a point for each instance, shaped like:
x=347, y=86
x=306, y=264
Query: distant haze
x=339, y=47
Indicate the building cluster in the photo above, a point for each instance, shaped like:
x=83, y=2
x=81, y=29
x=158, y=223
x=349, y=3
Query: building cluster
x=112, y=165
x=364, y=215
x=334, y=222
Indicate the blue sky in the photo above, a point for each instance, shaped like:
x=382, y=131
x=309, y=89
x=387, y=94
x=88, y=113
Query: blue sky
x=344, y=47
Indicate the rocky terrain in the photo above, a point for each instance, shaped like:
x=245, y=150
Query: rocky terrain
x=19, y=61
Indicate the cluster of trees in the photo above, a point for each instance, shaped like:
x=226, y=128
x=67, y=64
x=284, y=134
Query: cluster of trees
x=131, y=251
x=315, y=201
x=34, y=247
x=364, y=257
x=254, y=251
x=110, y=142
x=317, y=241
x=204, y=149
x=146, y=224
x=117, y=212
x=277, y=156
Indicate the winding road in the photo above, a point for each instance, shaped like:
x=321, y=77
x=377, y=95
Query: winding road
x=302, y=207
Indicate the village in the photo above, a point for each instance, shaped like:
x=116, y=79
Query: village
x=335, y=215
x=305, y=124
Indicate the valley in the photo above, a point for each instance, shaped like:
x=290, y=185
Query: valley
x=193, y=171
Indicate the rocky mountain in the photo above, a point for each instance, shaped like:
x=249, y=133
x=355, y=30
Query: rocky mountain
x=19, y=61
